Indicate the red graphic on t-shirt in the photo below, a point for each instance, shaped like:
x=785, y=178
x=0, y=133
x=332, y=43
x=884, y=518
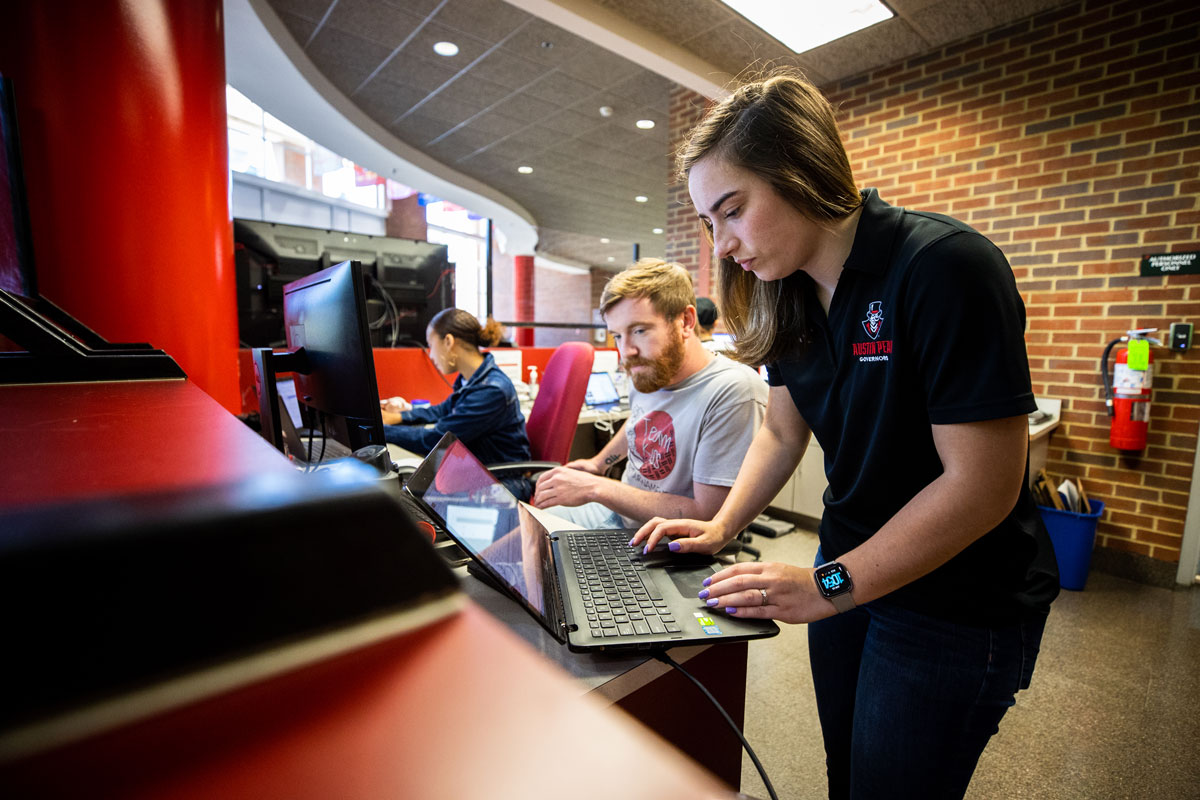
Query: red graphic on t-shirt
x=654, y=442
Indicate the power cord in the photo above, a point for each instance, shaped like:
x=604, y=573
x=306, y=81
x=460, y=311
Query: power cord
x=762, y=773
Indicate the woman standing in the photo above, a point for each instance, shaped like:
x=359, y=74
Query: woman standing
x=896, y=337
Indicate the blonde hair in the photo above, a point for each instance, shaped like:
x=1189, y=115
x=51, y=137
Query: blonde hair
x=783, y=130
x=466, y=328
x=668, y=286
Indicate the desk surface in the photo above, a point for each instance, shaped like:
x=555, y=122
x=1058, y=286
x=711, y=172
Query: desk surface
x=69, y=441
x=461, y=708
x=436, y=713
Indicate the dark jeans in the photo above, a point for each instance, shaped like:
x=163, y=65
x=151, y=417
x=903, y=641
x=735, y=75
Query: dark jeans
x=907, y=702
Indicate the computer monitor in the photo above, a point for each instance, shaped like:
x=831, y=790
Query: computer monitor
x=409, y=281
x=329, y=354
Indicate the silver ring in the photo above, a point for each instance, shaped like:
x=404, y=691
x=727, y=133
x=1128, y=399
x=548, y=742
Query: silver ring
x=763, y=592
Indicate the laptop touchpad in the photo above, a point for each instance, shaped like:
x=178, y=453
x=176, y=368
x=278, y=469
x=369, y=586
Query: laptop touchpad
x=689, y=580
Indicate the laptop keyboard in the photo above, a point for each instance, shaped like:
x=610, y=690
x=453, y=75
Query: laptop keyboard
x=619, y=597
x=333, y=449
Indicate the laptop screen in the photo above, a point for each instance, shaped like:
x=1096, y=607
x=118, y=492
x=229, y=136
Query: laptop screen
x=486, y=519
x=601, y=390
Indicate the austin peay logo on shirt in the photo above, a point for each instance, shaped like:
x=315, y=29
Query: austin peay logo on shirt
x=876, y=349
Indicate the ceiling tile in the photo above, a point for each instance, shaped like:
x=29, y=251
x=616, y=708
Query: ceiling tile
x=673, y=20
x=507, y=70
x=300, y=27
x=313, y=10
x=489, y=20
x=415, y=73
x=347, y=60
x=884, y=43
x=532, y=39
x=371, y=20
x=939, y=25
x=561, y=89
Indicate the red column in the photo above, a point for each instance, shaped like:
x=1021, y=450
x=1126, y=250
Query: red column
x=523, y=295
x=122, y=114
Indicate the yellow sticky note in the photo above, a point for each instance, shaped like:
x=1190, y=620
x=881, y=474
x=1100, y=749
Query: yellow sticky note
x=1139, y=354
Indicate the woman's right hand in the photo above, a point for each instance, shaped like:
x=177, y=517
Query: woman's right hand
x=395, y=405
x=687, y=535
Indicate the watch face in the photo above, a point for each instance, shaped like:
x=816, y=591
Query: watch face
x=832, y=579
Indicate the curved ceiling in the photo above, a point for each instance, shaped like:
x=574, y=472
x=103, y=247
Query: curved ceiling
x=526, y=89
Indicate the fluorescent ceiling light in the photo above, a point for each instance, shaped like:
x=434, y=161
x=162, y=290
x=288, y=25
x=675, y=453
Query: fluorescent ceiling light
x=446, y=49
x=657, y=230
x=641, y=198
x=645, y=124
x=805, y=24
x=524, y=170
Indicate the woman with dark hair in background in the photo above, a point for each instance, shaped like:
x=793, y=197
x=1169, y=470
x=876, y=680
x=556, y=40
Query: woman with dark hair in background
x=896, y=337
x=483, y=410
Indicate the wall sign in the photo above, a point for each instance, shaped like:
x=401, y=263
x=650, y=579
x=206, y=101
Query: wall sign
x=1171, y=264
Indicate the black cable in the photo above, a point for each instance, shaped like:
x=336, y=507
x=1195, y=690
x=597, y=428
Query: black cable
x=762, y=773
x=324, y=435
x=1108, y=390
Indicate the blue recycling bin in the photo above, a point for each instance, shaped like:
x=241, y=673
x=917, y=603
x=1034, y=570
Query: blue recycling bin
x=1073, y=535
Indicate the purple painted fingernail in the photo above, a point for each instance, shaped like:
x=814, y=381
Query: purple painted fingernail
x=631, y=542
x=673, y=547
x=646, y=550
x=711, y=602
x=703, y=593
x=706, y=582
x=731, y=610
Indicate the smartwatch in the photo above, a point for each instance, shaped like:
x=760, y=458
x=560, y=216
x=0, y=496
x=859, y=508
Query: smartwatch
x=833, y=581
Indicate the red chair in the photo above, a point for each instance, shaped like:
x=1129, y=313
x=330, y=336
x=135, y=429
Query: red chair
x=555, y=414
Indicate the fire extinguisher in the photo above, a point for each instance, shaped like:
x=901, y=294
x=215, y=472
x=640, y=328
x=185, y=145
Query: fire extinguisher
x=1127, y=397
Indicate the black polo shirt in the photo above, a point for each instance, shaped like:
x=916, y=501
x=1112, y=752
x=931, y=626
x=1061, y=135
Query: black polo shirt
x=926, y=326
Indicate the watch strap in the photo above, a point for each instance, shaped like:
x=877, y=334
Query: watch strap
x=843, y=602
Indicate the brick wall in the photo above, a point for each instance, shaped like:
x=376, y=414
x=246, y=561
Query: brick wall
x=1072, y=140
x=562, y=297
x=685, y=239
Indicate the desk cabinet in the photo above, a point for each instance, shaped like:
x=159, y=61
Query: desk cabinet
x=802, y=493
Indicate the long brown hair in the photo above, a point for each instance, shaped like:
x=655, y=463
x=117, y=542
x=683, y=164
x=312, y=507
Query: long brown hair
x=464, y=327
x=783, y=130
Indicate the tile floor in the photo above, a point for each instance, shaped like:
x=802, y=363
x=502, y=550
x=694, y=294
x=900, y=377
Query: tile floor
x=1113, y=710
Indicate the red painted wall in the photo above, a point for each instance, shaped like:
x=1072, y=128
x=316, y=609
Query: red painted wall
x=123, y=122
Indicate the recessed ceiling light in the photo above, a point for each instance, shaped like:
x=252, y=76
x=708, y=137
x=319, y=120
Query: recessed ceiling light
x=446, y=49
x=611, y=258
x=603, y=240
x=524, y=170
x=606, y=111
x=805, y=24
x=641, y=198
x=645, y=124
x=657, y=230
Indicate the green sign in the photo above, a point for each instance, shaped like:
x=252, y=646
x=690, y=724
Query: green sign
x=1171, y=264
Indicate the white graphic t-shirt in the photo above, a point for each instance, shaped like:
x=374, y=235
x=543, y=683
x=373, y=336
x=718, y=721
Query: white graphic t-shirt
x=697, y=431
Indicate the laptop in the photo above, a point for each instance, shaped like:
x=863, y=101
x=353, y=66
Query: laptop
x=589, y=589
x=602, y=393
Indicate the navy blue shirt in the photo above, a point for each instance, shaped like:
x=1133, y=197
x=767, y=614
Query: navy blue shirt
x=926, y=326
x=483, y=413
